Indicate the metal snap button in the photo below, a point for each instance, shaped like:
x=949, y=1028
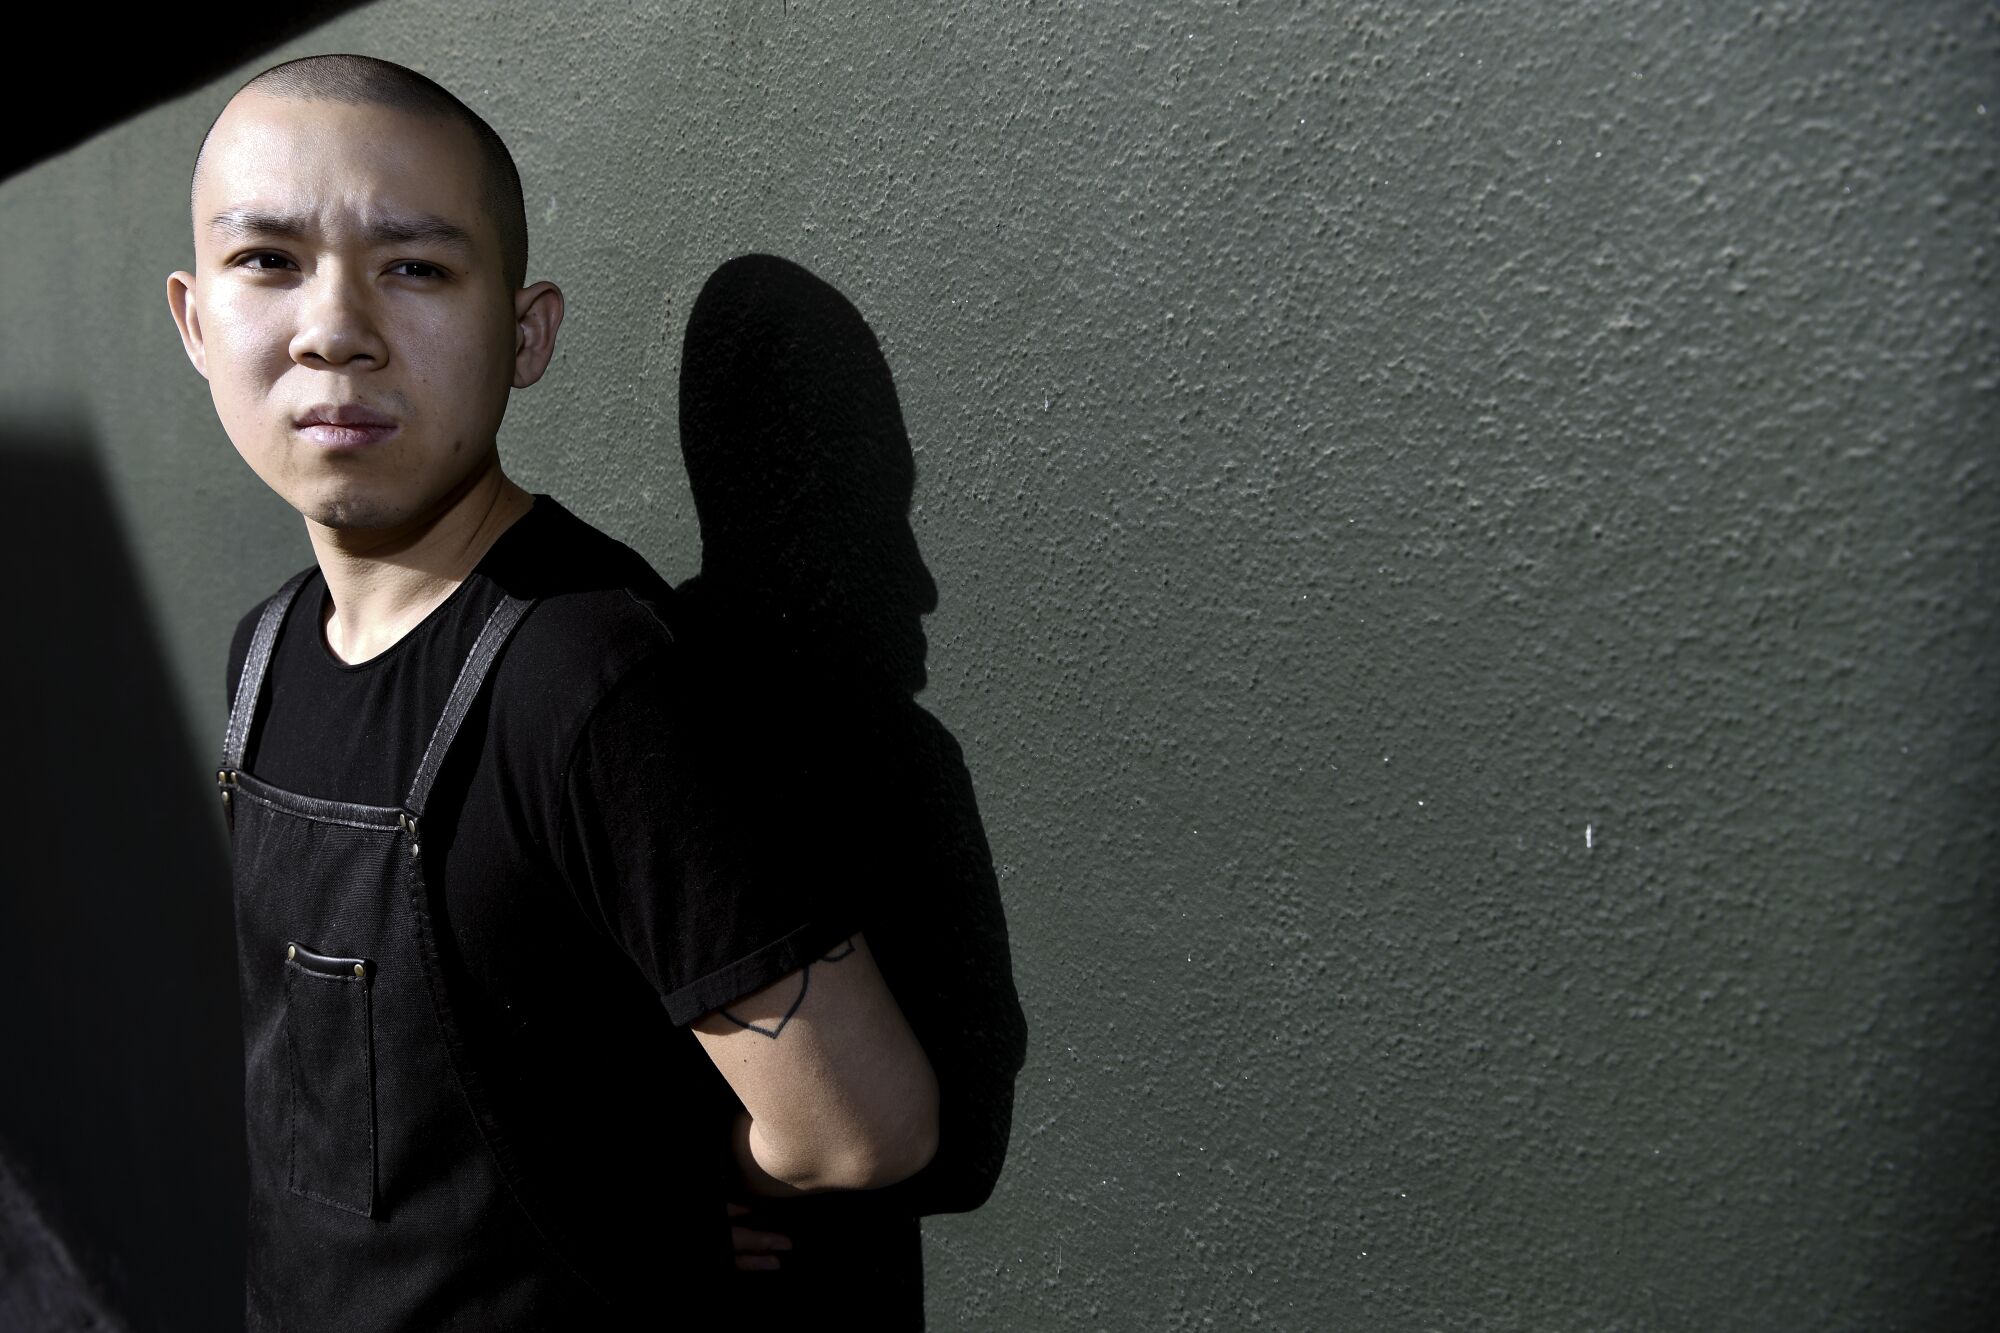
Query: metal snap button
x=361, y=969
x=291, y=952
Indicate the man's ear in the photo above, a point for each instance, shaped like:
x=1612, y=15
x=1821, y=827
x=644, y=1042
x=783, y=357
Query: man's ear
x=187, y=317
x=538, y=312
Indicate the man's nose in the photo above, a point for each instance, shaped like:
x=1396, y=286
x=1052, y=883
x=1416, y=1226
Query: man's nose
x=338, y=322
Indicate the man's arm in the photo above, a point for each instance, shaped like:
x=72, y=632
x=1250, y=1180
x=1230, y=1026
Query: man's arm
x=838, y=1092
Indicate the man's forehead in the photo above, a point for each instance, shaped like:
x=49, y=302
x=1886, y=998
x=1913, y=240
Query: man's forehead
x=278, y=155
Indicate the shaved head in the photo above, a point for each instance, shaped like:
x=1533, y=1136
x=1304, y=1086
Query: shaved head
x=366, y=81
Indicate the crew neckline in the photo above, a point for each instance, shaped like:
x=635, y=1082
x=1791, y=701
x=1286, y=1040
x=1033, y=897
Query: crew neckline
x=393, y=650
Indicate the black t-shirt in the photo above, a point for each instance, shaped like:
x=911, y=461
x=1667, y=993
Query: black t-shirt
x=613, y=847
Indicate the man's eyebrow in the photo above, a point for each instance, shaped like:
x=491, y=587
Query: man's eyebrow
x=419, y=229
x=254, y=222
x=399, y=229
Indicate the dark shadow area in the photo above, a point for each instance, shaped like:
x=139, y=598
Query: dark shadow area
x=120, y=1050
x=40, y=1285
x=810, y=595
x=157, y=53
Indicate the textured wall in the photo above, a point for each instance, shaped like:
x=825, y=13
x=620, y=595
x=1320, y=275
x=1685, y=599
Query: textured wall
x=1466, y=555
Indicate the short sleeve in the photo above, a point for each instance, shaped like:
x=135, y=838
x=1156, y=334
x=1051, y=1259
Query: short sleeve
x=700, y=829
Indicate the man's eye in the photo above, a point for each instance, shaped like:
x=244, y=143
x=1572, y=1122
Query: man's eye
x=263, y=260
x=423, y=270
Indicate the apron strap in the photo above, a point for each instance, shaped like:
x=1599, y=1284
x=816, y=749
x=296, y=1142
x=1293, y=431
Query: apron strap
x=251, y=683
x=473, y=674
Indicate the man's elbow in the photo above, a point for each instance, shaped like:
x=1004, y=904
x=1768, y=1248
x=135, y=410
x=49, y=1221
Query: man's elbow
x=888, y=1152
x=893, y=1143
x=901, y=1155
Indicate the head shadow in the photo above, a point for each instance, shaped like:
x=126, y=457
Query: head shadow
x=802, y=474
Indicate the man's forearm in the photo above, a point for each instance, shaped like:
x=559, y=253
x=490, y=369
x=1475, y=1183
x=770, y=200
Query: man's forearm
x=769, y=1170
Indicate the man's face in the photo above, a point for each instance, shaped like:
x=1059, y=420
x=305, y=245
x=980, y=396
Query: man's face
x=349, y=306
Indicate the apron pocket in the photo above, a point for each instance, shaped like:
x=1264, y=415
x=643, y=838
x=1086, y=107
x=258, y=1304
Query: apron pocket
x=329, y=1032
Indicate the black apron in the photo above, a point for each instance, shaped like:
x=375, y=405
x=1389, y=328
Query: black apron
x=382, y=1192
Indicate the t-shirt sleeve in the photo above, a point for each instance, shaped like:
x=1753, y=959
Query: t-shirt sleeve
x=699, y=831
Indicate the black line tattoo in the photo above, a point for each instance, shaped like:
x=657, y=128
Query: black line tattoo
x=845, y=948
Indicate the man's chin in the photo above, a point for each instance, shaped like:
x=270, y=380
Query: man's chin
x=381, y=499
x=354, y=509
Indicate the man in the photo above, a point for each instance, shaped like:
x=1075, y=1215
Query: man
x=515, y=895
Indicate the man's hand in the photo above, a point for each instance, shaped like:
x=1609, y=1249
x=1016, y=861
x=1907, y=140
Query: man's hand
x=838, y=1092
x=756, y=1251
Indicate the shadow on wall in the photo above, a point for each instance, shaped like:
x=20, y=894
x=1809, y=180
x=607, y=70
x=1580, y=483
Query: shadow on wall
x=120, y=1056
x=812, y=585
x=88, y=103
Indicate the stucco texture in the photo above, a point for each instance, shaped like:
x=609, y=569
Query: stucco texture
x=1465, y=549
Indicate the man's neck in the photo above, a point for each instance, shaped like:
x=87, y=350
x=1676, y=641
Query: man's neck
x=381, y=583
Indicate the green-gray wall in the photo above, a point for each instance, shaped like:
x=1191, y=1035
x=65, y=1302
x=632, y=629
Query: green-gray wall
x=1466, y=549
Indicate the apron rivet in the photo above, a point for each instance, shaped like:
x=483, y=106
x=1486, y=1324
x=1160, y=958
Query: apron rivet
x=361, y=970
x=291, y=952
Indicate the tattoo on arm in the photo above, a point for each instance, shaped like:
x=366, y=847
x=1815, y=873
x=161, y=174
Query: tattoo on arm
x=840, y=951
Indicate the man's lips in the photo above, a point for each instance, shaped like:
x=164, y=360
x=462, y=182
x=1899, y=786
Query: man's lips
x=325, y=432
x=347, y=424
